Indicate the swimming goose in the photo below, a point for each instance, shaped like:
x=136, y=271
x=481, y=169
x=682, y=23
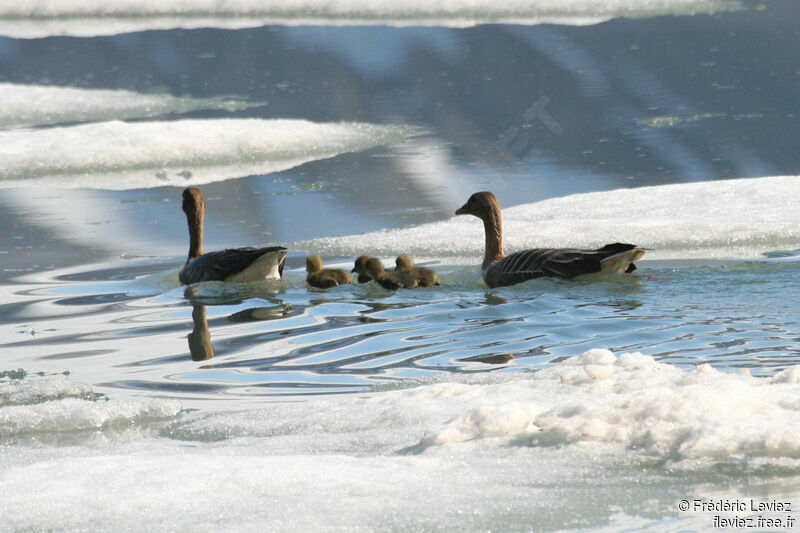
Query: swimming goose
x=238, y=264
x=324, y=278
x=425, y=276
x=360, y=267
x=500, y=270
x=389, y=280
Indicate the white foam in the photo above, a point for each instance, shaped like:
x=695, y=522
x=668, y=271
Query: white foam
x=715, y=219
x=33, y=18
x=37, y=105
x=119, y=155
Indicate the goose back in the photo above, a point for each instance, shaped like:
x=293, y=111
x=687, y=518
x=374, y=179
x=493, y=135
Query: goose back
x=238, y=264
x=557, y=262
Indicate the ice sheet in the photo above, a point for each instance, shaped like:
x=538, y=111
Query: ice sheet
x=740, y=218
x=32, y=18
x=119, y=155
x=38, y=105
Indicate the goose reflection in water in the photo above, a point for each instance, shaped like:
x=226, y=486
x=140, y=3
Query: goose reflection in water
x=200, y=338
x=200, y=346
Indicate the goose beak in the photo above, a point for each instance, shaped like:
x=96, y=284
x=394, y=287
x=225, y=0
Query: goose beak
x=462, y=210
x=354, y=270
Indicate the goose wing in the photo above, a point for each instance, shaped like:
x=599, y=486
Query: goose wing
x=552, y=262
x=217, y=266
x=540, y=262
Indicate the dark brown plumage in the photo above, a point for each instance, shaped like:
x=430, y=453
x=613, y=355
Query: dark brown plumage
x=389, y=280
x=425, y=276
x=361, y=269
x=324, y=278
x=237, y=264
x=500, y=270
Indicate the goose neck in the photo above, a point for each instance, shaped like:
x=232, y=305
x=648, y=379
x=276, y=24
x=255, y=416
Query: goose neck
x=493, y=229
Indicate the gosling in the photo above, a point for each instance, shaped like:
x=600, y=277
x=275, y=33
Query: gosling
x=425, y=276
x=324, y=278
x=389, y=280
x=361, y=269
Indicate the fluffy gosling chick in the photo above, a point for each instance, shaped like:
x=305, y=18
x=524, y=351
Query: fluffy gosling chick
x=389, y=280
x=324, y=278
x=425, y=276
x=361, y=269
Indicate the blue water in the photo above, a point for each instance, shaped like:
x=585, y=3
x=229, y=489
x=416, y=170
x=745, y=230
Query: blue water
x=130, y=324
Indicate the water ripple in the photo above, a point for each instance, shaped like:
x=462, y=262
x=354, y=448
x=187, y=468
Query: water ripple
x=140, y=332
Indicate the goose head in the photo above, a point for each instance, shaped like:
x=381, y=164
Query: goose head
x=193, y=202
x=194, y=206
x=481, y=204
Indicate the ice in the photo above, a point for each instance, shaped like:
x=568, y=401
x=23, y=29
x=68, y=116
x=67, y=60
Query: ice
x=630, y=401
x=38, y=105
x=740, y=218
x=33, y=18
x=71, y=414
x=27, y=393
x=48, y=407
x=579, y=444
x=640, y=404
x=119, y=155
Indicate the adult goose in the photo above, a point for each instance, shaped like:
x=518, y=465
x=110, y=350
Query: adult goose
x=236, y=264
x=500, y=270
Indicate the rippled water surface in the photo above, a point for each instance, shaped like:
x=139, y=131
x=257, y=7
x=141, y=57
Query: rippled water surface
x=127, y=326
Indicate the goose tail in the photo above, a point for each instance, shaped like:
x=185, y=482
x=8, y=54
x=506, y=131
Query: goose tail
x=621, y=261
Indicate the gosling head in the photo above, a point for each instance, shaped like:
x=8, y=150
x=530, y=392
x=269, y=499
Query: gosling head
x=313, y=264
x=404, y=262
x=480, y=204
x=360, y=265
x=374, y=267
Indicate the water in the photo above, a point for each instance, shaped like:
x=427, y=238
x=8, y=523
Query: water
x=270, y=339
x=128, y=402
